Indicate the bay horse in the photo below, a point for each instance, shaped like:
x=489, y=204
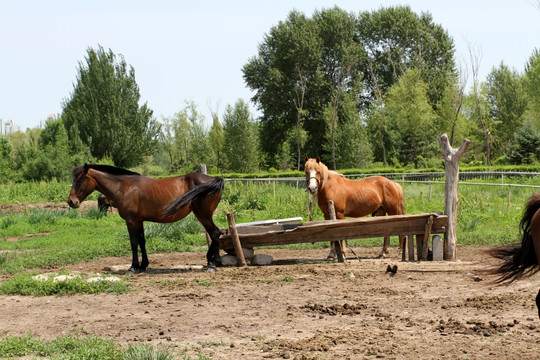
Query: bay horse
x=521, y=261
x=140, y=198
x=374, y=195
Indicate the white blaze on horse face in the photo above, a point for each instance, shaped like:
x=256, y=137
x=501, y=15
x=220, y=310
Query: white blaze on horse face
x=312, y=184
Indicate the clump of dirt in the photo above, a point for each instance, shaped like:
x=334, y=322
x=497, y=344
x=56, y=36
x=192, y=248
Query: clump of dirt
x=345, y=309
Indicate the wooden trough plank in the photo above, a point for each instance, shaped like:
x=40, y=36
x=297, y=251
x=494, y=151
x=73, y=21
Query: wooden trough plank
x=340, y=230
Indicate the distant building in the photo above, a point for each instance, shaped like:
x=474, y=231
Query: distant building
x=9, y=126
x=42, y=123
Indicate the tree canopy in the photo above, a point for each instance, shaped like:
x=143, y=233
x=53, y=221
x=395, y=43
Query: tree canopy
x=308, y=70
x=104, y=112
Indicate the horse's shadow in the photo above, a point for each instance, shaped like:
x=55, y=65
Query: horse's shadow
x=158, y=271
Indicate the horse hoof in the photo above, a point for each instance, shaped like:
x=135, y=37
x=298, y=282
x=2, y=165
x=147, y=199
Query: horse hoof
x=133, y=271
x=211, y=268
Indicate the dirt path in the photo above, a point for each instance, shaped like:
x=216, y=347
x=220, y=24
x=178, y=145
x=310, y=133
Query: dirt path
x=299, y=310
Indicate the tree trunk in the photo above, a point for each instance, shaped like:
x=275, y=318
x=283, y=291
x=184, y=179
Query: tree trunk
x=451, y=162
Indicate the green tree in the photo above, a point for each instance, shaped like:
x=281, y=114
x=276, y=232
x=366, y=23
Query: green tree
x=508, y=101
x=397, y=39
x=52, y=160
x=201, y=151
x=450, y=119
x=526, y=146
x=217, y=139
x=186, y=140
x=241, y=144
x=303, y=65
x=104, y=110
x=408, y=109
x=351, y=145
x=6, y=160
x=532, y=87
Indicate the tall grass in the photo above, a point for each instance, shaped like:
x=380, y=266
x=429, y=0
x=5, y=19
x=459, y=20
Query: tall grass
x=34, y=192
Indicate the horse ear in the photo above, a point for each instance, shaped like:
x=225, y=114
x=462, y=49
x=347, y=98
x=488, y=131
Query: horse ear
x=86, y=168
x=318, y=159
x=306, y=158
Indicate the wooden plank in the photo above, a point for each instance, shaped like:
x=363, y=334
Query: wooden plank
x=236, y=240
x=427, y=235
x=360, y=228
x=293, y=220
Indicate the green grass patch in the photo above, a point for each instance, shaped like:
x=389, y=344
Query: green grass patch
x=84, y=348
x=58, y=284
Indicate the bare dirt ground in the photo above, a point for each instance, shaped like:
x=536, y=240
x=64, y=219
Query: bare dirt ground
x=309, y=309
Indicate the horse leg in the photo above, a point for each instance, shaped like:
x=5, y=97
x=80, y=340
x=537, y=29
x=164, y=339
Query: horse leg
x=386, y=243
x=136, y=238
x=144, y=256
x=212, y=256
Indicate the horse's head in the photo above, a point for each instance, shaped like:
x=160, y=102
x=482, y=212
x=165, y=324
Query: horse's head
x=316, y=174
x=83, y=185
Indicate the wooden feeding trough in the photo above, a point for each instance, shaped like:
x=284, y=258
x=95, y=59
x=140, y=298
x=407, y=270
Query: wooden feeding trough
x=421, y=226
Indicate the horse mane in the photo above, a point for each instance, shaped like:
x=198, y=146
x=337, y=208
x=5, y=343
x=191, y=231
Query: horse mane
x=113, y=170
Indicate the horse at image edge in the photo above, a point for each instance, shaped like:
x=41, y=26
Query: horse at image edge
x=521, y=261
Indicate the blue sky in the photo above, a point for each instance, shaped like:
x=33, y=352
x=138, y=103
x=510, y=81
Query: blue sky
x=187, y=50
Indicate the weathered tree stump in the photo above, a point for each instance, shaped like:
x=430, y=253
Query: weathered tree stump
x=451, y=164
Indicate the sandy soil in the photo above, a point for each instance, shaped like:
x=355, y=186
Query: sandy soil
x=300, y=307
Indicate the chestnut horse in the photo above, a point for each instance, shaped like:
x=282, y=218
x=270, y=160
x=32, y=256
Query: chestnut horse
x=374, y=195
x=139, y=198
x=521, y=261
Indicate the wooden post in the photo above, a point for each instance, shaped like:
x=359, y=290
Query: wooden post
x=451, y=164
x=202, y=169
x=236, y=240
x=410, y=245
x=437, y=248
x=427, y=235
x=337, y=244
x=509, y=194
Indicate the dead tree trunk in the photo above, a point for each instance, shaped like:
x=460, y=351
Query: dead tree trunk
x=451, y=163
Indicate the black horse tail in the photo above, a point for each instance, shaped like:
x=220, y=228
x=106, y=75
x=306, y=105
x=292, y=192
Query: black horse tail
x=518, y=261
x=194, y=194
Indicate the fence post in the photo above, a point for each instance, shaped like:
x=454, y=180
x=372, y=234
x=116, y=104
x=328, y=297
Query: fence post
x=509, y=193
